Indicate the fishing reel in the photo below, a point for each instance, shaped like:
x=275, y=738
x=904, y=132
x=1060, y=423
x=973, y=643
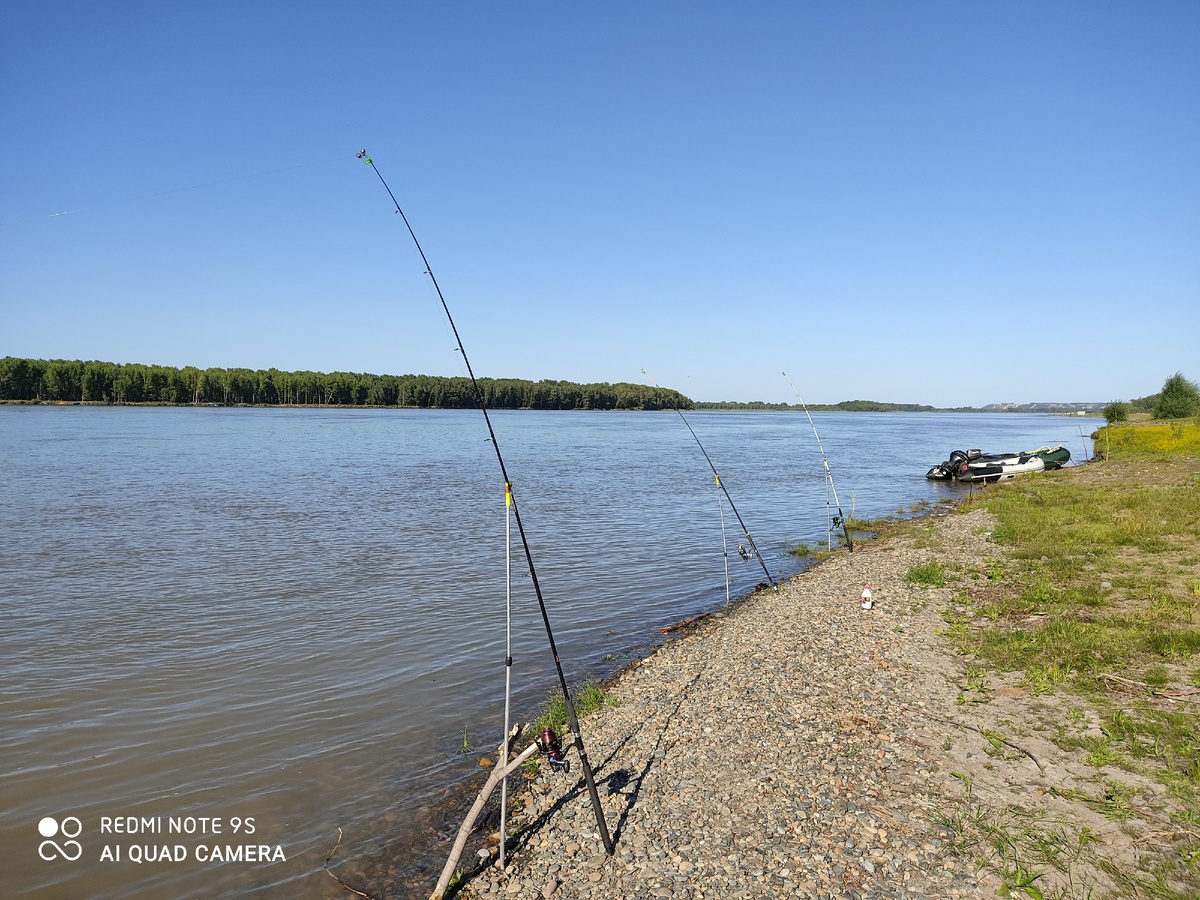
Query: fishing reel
x=551, y=746
x=745, y=554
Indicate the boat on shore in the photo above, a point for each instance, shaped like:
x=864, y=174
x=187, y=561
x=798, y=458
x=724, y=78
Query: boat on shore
x=977, y=466
x=991, y=471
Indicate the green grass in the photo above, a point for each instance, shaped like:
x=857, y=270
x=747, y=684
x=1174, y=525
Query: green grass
x=866, y=526
x=931, y=574
x=1179, y=438
x=1096, y=599
x=1023, y=847
x=589, y=697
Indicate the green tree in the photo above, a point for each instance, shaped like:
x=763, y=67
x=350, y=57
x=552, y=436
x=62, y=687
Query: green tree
x=71, y=380
x=98, y=381
x=1118, y=411
x=62, y=380
x=1178, y=399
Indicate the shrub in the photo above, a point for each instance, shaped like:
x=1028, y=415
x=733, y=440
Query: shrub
x=1178, y=399
x=1117, y=411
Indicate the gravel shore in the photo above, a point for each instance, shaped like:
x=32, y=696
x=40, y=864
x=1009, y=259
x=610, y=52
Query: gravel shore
x=794, y=746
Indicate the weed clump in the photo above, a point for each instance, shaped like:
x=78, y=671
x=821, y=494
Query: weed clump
x=589, y=697
x=931, y=574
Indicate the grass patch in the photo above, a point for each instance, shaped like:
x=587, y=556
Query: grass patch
x=1096, y=599
x=974, y=687
x=931, y=574
x=801, y=550
x=1023, y=847
x=1180, y=438
x=867, y=526
x=589, y=697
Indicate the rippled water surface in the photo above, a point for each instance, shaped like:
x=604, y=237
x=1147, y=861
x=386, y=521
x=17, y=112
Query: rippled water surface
x=292, y=615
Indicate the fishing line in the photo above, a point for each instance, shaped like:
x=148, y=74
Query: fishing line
x=194, y=187
x=841, y=519
x=572, y=719
x=753, y=551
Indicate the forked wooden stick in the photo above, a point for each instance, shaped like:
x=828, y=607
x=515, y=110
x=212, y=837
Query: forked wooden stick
x=460, y=843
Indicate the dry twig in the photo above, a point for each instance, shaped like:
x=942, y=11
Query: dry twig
x=685, y=623
x=334, y=877
x=990, y=735
x=1172, y=697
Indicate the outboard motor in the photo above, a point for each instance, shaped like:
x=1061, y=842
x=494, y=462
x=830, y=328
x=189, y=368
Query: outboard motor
x=957, y=463
x=973, y=455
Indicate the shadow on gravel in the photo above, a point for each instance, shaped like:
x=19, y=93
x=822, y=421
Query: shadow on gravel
x=619, y=780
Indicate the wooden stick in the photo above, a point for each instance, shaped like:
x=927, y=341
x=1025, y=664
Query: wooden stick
x=1176, y=697
x=685, y=623
x=460, y=843
x=334, y=877
x=989, y=734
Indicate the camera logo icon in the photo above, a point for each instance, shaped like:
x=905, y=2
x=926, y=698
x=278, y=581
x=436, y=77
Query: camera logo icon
x=70, y=828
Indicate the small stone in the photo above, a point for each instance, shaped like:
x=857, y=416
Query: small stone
x=483, y=853
x=485, y=762
x=549, y=888
x=868, y=865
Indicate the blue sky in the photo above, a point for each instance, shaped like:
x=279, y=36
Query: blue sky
x=946, y=203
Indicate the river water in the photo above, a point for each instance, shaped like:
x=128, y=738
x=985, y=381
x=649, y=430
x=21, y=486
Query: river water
x=290, y=620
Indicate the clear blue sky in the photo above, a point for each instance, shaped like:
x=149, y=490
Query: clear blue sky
x=935, y=202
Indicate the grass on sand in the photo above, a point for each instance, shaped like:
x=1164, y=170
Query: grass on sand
x=1098, y=601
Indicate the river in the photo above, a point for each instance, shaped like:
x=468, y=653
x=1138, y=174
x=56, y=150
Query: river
x=290, y=620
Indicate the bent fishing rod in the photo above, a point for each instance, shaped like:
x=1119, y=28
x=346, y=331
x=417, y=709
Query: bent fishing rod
x=841, y=519
x=572, y=719
x=720, y=484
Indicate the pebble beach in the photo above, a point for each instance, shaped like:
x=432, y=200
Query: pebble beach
x=791, y=746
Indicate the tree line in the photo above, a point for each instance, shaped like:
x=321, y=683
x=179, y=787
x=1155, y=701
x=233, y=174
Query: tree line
x=1178, y=399
x=76, y=381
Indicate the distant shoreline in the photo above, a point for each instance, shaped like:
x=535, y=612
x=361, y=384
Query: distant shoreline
x=698, y=406
x=136, y=384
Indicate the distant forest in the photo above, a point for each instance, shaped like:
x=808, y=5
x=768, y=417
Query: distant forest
x=74, y=381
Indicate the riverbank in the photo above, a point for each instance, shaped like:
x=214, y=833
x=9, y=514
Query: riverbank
x=793, y=747
x=800, y=746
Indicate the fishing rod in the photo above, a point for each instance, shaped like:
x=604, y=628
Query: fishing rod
x=572, y=718
x=746, y=531
x=841, y=519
